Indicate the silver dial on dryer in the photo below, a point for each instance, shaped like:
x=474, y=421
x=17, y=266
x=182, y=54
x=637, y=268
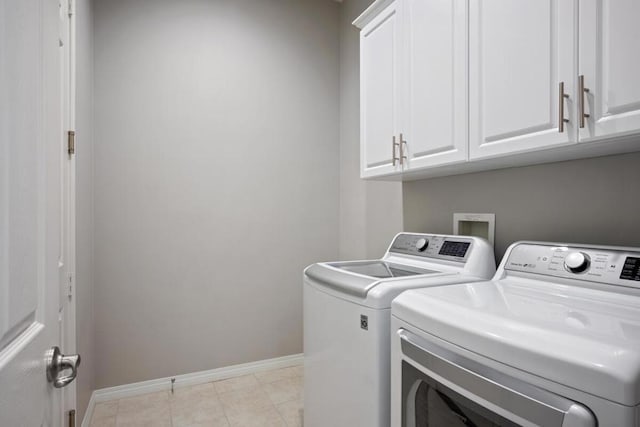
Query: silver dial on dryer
x=422, y=244
x=577, y=262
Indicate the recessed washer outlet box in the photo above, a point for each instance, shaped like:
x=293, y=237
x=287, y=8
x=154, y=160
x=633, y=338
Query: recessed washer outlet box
x=475, y=224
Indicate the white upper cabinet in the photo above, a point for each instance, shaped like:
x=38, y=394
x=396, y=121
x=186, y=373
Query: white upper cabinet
x=609, y=60
x=455, y=86
x=379, y=101
x=434, y=82
x=413, y=80
x=520, y=52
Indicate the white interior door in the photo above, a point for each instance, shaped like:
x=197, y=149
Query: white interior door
x=435, y=90
x=610, y=63
x=379, y=67
x=30, y=209
x=519, y=53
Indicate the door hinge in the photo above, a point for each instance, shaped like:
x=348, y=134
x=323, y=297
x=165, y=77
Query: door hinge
x=71, y=142
x=70, y=10
x=72, y=418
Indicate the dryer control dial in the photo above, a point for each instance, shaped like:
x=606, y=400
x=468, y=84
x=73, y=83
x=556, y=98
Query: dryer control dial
x=577, y=262
x=422, y=244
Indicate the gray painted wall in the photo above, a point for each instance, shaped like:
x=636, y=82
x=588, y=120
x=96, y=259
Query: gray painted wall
x=84, y=203
x=582, y=201
x=370, y=211
x=216, y=179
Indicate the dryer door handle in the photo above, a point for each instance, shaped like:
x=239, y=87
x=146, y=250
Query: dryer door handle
x=505, y=395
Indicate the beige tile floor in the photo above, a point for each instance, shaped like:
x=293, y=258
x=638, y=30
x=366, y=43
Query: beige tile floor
x=265, y=399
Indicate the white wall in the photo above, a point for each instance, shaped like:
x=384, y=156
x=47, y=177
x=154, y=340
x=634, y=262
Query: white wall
x=370, y=211
x=84, y=203
x=216, y=179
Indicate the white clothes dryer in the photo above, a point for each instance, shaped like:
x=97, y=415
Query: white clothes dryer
x=347, y=320
x=552, y=340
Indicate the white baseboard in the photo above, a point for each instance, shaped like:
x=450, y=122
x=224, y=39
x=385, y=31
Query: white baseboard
x=185, y=380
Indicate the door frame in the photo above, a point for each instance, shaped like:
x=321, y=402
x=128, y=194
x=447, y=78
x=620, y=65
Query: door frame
x=67, y=316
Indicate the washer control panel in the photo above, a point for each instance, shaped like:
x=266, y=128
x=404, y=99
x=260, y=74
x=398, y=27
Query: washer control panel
x=432, y=246
x=605, y=265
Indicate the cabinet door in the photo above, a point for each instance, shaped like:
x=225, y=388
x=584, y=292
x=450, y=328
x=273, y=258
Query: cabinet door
x=434, y=113
x=610, y=62
x=519, y=52
x=379, y=56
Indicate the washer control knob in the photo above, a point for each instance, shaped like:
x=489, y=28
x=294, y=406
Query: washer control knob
x=422, y=244
x=577, y=262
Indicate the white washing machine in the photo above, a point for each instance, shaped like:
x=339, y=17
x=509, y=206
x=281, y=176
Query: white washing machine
x=347, y=315
x=552, y=340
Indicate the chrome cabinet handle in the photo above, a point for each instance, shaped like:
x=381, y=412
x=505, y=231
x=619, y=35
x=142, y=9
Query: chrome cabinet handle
x=58, y=362
x=582, y=91
x=561, y=98
x=394, y=159
x=402, y=156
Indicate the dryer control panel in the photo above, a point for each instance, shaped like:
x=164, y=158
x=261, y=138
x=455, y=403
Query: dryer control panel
x=595, y=264
x=433, y=246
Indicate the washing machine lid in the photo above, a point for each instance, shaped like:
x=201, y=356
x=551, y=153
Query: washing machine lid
x=359, y=277
x=583, y=338
x=380, y=269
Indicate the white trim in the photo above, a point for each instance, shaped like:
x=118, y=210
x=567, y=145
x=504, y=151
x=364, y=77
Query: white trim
x=69, y=344
x=371, y=12
x=185, y=380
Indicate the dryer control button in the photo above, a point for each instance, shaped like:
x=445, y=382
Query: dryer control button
x=577, y=262
x=422, y=244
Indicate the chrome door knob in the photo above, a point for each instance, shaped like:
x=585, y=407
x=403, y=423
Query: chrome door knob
x=57, y=363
